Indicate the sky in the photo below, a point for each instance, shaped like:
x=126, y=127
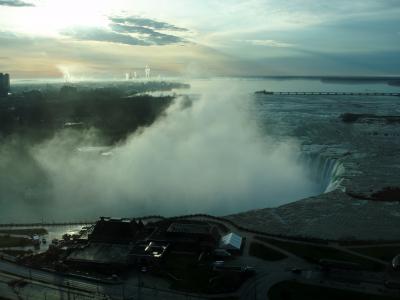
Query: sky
x=95, y=38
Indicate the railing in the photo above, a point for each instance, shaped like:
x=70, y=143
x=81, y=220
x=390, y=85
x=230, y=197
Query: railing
x=328, y=93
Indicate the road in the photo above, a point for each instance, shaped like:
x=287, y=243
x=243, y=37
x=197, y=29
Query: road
x=42, y=284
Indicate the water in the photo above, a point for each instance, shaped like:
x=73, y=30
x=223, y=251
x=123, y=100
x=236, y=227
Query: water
x=250, y=85
x=227, y=153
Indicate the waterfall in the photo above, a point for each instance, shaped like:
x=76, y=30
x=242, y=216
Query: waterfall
x=327, y=172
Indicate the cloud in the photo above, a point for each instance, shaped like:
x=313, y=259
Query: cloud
x=15, y=3
x=148, y=34
x=30, y=57
x=269, y=43
x=103, y=35
x=130, y=31
x=145, y=22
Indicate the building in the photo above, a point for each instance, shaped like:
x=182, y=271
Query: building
x=4, y=84
x=108, y=246
x=120, y=244
x=148, y=253
x=147, y=71
x=101, y=257
x=201, y=236
x=231, y=242
x=116, y=231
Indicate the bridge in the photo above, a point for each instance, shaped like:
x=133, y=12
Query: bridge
x=264, y=92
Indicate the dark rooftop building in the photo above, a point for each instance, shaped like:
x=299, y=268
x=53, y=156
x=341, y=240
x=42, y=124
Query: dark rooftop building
x=109, y=245
x=116, y=231
x=148, y=252
x=200, y=234
x=100, y=253
x=190, y=228
x=4, y=84
x=116, y=245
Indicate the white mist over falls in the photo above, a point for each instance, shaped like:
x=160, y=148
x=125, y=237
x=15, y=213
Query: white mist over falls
x=207, y=155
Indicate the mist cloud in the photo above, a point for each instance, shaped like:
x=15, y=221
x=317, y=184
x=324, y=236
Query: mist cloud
x=207, y=157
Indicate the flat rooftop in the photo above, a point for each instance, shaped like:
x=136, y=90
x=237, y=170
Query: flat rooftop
x=190, y=228
x=101, y=253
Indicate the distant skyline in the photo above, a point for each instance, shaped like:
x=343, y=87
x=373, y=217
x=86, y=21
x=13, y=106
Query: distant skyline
x=89, y=39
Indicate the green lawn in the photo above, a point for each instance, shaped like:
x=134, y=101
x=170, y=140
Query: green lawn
x=290, y=290
x=314, y=253
x=260, y=251
x=386, y=253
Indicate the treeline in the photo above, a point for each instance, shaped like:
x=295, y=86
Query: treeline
x=38, y=115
